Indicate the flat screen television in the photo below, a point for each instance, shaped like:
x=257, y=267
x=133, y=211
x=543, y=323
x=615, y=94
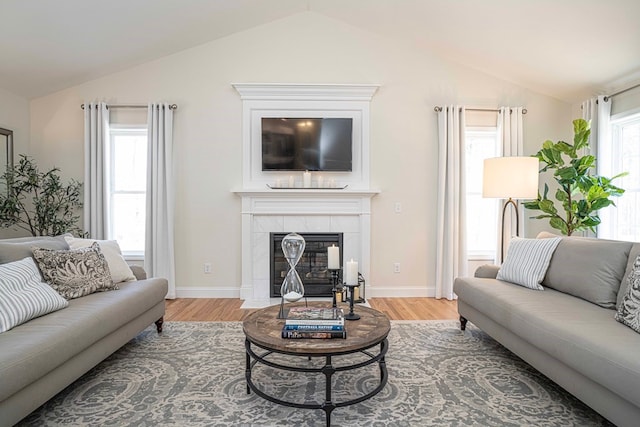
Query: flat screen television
x=301, y=144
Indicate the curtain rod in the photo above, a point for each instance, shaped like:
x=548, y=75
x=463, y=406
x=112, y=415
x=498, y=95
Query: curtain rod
x=606, y=98
x=171, y=107
x=437, y=109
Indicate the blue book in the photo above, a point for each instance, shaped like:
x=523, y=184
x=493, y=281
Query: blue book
x=313, y=327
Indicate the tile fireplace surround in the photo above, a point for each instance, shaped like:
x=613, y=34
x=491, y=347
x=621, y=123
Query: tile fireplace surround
x=302, y=210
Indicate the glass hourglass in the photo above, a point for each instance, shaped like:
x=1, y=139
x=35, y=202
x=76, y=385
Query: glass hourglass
x=292, y=289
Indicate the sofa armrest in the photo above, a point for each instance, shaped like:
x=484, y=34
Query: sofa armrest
x=138, y=272
x=487, y=271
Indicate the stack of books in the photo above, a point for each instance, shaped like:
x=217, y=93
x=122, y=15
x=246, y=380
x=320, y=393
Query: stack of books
x=314, y=322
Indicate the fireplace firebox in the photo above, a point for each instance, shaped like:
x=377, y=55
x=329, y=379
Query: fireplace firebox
x=312, y=267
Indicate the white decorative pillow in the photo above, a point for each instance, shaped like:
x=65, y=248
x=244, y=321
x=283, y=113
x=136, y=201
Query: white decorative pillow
x=629, y=311
x=120, y=270
x=527, y=261
x=23, y=295
x=76, y=272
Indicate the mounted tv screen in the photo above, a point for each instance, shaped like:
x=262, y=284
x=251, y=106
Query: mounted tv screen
x=297, y=144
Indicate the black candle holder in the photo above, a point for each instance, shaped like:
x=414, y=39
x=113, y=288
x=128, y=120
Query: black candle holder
x=351, y=315
x=334, y=280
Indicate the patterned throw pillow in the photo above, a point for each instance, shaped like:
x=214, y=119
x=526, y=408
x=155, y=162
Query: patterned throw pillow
x=23, y=295
x=75, y=273
x=629, y=311
x=120, y=270
x=527, y=261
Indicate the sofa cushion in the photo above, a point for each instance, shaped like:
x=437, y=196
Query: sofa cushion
x=527, y=261
x=21, y=247
x=629, y=310
x=35, y=348
x=120, y=270
x=578, y=333
x=75, y=272
x=633, y=254
x=591, y=269
x=23, y=295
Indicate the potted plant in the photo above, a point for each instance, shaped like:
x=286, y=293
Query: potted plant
x=580, y=194
x=39, y=202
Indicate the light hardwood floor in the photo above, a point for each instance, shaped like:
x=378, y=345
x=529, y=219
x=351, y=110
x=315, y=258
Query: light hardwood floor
x=228, y=309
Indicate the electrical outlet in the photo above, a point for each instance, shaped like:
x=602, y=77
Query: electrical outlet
x=398, y=207
x=207, y=268
x=396, y=267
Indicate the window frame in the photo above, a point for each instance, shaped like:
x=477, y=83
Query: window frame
x=611, y=166
x=119, y=130
x=483, y=255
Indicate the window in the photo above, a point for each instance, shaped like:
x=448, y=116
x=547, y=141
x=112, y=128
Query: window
x=482, y=226
x=621, y=222
x=126, y=177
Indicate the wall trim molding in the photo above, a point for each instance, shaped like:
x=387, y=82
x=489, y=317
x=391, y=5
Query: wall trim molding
x=300, y=91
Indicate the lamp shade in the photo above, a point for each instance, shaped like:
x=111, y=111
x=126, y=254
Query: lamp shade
x=510, y=177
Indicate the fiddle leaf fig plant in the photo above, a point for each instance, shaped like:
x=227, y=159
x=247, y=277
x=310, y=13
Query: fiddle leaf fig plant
x=580, y=194
x=39, y=202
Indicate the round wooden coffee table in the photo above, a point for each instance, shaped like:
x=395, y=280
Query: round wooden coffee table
x=263, y=329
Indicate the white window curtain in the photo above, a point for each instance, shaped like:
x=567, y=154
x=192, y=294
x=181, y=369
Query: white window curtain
x=451, y=250
x=598, y=112
x=510, y=131
x=159, y=259
x=96, y=130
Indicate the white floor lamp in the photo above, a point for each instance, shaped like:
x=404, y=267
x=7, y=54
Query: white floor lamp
x=510, y=178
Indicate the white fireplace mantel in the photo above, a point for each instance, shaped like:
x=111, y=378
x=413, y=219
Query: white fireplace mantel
x=303, y=210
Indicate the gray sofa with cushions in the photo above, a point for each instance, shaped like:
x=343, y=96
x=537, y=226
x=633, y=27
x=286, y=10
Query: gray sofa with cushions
x=41, y=357
x=567, y=331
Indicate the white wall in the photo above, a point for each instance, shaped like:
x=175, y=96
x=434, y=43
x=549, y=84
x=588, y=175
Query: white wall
x=14, y=115
x=305, y=48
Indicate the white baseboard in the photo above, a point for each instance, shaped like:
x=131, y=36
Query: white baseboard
x=197, y=292
x=377, y=292
x=400, y=292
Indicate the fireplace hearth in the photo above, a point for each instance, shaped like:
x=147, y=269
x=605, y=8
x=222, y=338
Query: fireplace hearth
x=312, y=267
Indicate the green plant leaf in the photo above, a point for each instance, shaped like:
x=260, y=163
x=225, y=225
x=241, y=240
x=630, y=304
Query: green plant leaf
x=561, y=196
x=559, y=224
x=547, y=206
x=568, y=174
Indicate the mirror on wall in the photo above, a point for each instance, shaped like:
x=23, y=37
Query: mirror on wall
x=6, y=154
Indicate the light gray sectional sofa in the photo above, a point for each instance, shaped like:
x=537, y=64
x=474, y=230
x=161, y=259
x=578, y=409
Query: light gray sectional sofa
x=44, y=355
x=567, y=331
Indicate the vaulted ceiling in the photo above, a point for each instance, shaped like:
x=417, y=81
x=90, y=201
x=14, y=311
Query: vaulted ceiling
x=568, y=49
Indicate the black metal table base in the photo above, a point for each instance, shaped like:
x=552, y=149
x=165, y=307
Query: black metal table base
x=252, y=358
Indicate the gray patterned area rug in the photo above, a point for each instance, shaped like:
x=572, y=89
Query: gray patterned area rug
x=193, y=375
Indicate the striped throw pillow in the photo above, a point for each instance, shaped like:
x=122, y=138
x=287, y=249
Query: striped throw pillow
x=23, y=295
x=527, y=261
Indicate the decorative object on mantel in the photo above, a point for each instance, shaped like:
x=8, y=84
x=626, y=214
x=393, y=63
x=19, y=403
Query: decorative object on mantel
x=38, y=202
x=275, y=187
x=574, y=179
x=306, y=179
x=292, y=289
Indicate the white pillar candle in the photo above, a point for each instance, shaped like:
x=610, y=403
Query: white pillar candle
x=291, y=181
x=278, y=183
x=320, y=181
x=306, y=179
x=352, y=272
x=333, y=257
